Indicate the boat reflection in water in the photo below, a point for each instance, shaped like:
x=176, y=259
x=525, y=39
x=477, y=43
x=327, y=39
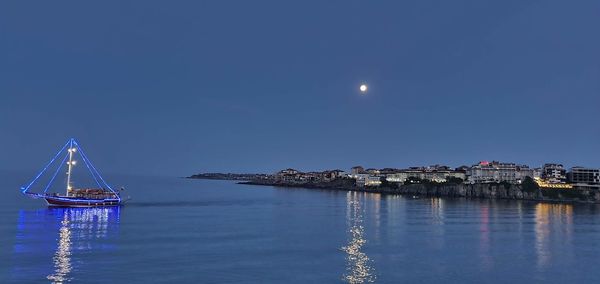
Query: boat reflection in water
x=62, y=257
x=79, y=230
x=358, y=269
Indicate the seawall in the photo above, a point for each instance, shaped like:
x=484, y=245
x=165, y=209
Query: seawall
x=487, y=191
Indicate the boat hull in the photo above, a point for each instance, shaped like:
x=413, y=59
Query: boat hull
x=75, y=202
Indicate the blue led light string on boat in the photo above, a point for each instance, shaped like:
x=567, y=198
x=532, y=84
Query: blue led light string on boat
x=56, y=173
x=94, y=168
x=87, y=164
x=44, y=169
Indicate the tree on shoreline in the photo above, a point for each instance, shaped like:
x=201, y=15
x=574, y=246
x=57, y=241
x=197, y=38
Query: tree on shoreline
x=385, y=183
x=529, y=185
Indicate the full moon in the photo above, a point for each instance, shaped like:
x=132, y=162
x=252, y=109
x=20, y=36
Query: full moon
x=363, y=88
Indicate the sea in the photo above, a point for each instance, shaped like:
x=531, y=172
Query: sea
x=177, y=230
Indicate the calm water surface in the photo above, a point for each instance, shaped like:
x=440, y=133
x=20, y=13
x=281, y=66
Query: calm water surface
x=197, y=231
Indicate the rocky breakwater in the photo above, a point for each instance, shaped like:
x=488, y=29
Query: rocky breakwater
x=491, y=191
x=337, y=184
x=464, y=190
x=528, y=191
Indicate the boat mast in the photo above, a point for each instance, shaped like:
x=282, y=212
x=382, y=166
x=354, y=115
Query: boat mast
x=71, y=163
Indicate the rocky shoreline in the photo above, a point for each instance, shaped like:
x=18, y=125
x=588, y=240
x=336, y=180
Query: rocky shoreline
x=228, y=176
x=481, y=191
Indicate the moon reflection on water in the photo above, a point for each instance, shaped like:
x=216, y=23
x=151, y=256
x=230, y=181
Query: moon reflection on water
x=358, y=264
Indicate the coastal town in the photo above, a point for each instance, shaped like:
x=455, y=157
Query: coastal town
x=547, y=176
x=551, y=181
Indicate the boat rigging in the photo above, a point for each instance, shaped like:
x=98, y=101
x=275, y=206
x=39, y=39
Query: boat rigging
x=102, y=195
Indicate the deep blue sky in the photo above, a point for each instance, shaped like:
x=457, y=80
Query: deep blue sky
x=179, y=87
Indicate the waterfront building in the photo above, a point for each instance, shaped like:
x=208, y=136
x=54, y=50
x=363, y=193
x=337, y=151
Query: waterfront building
x=331, y=175
x=582, y=177
x=438, y=168
x=398, y=177
x=554, y=173
x=297, y=177
x=387, y=171
x=457, y=174
x=537, y=173
x=357, y=170
x=287, y=175
x=487, y=172
x=462, y=169
x=367, y=180
x=434, y=174
x=524, y=171
x=288, y=172
x=371, y=180
x=339, y=174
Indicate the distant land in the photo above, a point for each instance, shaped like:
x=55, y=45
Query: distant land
x=490, y=180
x=229, y=176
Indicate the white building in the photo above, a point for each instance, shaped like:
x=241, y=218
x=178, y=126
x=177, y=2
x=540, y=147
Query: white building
x=367, y=180
x=537, y=173
x=487, y=172
x=373, y=181
x=398, y=177
x=523, y=172
x=425, y=174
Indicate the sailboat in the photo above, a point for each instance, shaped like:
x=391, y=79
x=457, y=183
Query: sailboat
x=102, y=195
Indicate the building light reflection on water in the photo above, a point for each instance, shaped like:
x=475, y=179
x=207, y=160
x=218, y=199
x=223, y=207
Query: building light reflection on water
x=551, y=219
x=487, y=261
x=358, y=264
x=435, y=219
x=437, y=211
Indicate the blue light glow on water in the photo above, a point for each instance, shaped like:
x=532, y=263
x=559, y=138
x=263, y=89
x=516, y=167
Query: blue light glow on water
x=65, y=231
x=176, y=230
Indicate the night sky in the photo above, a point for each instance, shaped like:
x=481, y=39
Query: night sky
x=179, y=87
